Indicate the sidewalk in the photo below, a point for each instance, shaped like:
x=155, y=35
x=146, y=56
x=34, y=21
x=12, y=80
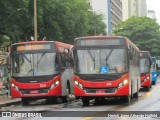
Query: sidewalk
x=7, y=101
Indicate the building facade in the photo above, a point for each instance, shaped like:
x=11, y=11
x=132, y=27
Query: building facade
x=129, y=8
x=151, y=14
x=101, y=6
x=120, y=10
x=141, y=8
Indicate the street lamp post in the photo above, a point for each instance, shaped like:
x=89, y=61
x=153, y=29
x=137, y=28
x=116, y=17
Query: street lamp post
x=35, y=20
x=109, y=17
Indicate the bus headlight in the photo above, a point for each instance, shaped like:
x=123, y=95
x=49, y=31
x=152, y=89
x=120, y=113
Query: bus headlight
x=78, y=84
x=54, y=84
x=14, y=86
x=123, y=83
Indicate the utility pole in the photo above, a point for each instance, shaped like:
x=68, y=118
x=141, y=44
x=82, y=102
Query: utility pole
x=109, y=17
x=35, y=20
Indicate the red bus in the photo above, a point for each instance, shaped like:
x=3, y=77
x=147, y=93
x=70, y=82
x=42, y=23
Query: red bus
x=145, y=67
x=41, y=69
x=106, y=66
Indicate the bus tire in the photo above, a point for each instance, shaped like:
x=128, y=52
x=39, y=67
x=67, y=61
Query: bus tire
x=85, y=101
x=126, y=99
x=25, y=101
x=51, y=100
x=147, y=88
x=150, y=86
x=153, y=82
x=136, y=95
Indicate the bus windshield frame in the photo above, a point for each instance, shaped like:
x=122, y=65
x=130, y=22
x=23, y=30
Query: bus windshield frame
x=144, y=65
x=101, y=59
x=37, y=62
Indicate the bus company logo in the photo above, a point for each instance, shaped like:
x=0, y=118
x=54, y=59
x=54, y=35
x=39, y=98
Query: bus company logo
x=6, y=114
x=42, y=85
x=108, y=84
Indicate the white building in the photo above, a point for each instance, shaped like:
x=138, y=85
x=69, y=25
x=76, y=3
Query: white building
x=134, y=8
x=100, y=6
x=121, y=10
x=129, y=8
x=151, y=14
x=141, y=8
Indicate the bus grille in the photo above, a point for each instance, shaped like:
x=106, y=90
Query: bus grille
x=40, y=91
x=108, y=90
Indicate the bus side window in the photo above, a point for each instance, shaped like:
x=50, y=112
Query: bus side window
x=57, y=63
x=71, y=58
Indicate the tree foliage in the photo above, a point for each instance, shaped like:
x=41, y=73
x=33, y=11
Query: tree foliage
x=143, y=31
x=61, y=20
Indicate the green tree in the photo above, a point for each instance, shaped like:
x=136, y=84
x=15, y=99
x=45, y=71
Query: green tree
x=13, y=17
x=61, y=20
x=143, y=31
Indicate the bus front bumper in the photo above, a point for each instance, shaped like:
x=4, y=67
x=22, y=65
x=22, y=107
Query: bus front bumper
x=102, y=92
x=56, y=91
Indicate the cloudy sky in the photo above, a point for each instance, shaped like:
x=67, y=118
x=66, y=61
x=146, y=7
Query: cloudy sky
x=154, y=5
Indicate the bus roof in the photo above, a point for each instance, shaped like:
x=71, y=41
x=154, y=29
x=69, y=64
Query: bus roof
x=96, y=37
x=145, y=54
x=100, y=37
x=42, y=41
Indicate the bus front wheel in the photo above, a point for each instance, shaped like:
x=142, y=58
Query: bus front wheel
x=85, y=101
x=25, y=101
x=153, y=82
x=126, y=98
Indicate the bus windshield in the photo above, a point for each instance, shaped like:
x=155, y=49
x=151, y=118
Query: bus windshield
x=34, y=64
x=144, y=65
x=101, y=61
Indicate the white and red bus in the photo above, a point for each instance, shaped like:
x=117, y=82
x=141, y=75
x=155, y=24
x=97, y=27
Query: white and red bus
x=41, y=69
x=106, y=66
x=145, y=67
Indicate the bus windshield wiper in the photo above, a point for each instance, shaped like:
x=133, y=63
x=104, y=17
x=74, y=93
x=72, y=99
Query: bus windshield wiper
x=92, y=57
x=41, y=57
x=29, y=62
x=26, y=58
x=107, y=56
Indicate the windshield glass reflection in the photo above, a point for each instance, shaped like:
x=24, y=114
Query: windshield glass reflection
x=101, y=61
x=34, y=64
x=144, y=65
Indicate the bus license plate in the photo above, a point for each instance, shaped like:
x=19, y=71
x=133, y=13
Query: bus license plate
x=100, y=91
x=33, y=91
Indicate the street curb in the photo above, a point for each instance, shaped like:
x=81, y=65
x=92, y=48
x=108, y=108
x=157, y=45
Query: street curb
x=10, y=102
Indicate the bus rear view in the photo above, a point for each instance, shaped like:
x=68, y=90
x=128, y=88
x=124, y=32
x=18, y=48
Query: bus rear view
x=104, y=68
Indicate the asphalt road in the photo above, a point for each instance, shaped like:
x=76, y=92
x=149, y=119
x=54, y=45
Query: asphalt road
x=146, y=107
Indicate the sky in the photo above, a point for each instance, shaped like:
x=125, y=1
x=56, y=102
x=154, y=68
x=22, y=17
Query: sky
x=154, y=5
